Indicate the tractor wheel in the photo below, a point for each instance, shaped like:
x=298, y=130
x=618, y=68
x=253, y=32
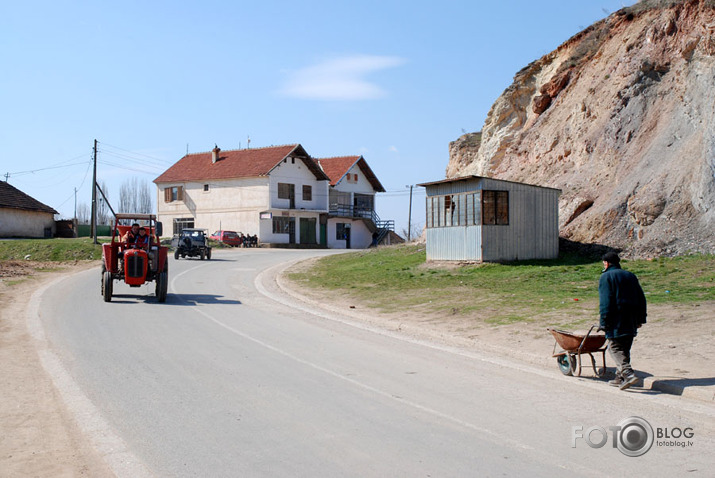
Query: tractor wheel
x=208, y=253
x=107, y=285
x=101, y=278
x=176, y=254
x=203, y=254
x=162, y=284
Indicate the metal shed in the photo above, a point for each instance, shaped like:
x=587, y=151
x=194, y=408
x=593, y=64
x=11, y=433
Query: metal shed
x=484, y=219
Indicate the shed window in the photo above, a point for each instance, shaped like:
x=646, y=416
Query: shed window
x=307, y=192
x=495, y=207
x=454, y=210
x=206, y=187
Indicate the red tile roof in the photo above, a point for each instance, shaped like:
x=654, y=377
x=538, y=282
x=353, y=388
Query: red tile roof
x=240, y=163
x=13, y=198
x=336, y=168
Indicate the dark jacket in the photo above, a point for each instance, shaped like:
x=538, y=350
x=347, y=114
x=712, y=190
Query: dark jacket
x=622, y=302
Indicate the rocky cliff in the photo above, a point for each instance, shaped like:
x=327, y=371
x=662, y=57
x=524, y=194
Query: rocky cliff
x=621, y=118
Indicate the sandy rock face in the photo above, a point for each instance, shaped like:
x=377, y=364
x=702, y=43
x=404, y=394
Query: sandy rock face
x=621, y=118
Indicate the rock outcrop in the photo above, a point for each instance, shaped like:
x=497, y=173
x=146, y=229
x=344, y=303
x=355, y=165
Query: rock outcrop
x=621, y=118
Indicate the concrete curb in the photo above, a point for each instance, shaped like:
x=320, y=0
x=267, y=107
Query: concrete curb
x=687, y=388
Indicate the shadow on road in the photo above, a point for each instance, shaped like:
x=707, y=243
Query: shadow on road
x=195, y=299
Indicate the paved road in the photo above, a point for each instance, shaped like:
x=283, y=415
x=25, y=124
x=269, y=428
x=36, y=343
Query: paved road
x=222, y=380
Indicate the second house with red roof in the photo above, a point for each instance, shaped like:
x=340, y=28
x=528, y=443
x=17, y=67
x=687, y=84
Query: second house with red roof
x=280, y=194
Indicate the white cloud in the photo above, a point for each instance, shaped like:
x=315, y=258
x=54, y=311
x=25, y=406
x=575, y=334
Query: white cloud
x=393, y=149
x=340, y=79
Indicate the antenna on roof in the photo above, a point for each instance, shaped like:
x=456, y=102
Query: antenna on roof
x=249, y=143
x=187, y=149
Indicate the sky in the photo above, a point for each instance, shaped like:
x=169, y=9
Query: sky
x=393, y=81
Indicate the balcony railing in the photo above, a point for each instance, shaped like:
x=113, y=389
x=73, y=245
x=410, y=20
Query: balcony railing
x=383, y=227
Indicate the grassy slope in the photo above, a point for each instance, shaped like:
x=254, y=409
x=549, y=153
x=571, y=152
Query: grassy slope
x=396, y=279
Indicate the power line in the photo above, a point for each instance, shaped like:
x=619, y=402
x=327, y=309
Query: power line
x=32, y=171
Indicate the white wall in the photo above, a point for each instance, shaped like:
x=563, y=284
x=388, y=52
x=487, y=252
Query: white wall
x=362, y=186
x=22, y=223
x=231, y=205
x=297, y=173
x=360, y=235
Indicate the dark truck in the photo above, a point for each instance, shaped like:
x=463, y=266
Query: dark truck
x=191, y=243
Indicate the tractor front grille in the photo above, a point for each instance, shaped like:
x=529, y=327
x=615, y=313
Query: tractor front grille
x=135, y=266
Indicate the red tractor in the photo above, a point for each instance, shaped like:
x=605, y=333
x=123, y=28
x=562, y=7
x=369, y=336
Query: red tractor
x=135, y=263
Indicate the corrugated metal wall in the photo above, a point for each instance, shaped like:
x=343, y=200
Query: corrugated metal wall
x=532, y=233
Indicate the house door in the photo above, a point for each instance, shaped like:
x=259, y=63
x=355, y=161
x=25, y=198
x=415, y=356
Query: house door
x=307, y=230
x=291, y=195
x=291, y=231
x=347, y=236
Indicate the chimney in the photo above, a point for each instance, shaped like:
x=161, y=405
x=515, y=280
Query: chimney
x=214, y=153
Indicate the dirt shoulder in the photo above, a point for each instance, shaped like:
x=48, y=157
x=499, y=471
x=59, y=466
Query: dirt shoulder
x=673, y=352
x=38, y=436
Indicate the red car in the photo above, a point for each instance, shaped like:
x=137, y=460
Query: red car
x=230, y=238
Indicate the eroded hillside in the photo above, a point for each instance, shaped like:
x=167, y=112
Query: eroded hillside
x=621, y=118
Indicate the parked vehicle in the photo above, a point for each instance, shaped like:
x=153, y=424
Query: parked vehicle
x=230, y=238
x=133, y=263
x=191, y=243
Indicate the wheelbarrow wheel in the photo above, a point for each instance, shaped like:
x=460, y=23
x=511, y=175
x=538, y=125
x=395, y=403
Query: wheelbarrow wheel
x=567, y=364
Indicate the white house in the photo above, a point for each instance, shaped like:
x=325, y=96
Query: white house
x=352, y=221
x=278, y=193
x=484, y=219
x=24, y=216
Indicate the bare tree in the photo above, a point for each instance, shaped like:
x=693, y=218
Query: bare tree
x=83, y=212
x=134, y=196
x=104, y=214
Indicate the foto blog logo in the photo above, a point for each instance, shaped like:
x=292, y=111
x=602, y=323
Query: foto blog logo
x=633, y=436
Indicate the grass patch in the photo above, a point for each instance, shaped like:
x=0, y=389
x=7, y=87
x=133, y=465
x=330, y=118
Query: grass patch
x=397, y=279
x=52, y=250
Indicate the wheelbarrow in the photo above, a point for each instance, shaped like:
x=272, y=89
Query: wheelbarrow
x=573, y=346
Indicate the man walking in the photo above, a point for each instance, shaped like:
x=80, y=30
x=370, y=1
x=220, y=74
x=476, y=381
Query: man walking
x=623, y=311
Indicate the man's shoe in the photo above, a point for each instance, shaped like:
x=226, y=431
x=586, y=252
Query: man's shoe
x=616, y=382
x=628, y=381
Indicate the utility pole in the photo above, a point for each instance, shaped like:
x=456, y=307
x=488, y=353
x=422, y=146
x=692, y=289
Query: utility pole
x=94, y=196
x=409, y=218
x=75, y=222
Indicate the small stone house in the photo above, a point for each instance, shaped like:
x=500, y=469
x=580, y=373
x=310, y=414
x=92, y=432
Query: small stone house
x=24, y=216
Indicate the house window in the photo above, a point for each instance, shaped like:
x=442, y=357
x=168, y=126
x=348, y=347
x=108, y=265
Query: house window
x=307, y=192
x=352, y=178
x=281, y=225
x=206, y=187
x=182, y=223
x=174, y=193
x=285, y=190
x=495, y=208
x=341, y=231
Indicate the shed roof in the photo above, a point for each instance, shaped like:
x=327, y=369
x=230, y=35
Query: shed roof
x=337, y=167
x=239, y=163
x=13, y=198
x=477, y=178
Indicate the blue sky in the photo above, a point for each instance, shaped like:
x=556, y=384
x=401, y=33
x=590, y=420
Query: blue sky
x=395, y=81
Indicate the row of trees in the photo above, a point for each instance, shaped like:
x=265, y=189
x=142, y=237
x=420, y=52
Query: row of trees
x=134, y=196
